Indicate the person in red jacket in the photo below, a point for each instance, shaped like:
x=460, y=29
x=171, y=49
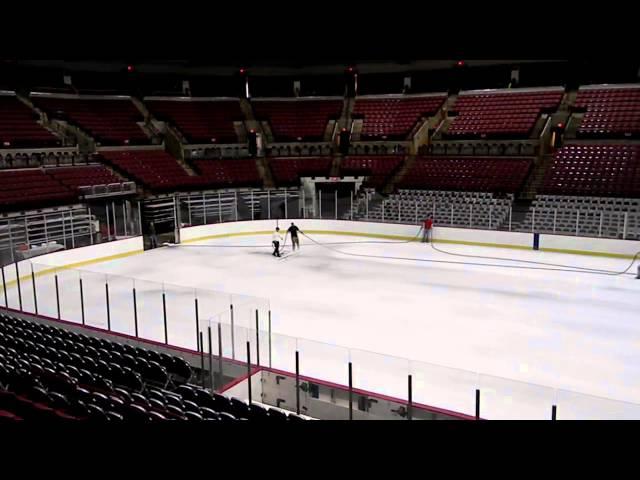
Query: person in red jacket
x=426, y=229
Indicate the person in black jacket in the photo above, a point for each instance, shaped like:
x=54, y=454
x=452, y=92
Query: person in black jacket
x=293, y=231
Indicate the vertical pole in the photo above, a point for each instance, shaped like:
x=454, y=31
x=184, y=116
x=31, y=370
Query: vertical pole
x=335, y=204
x=6, y=298
x=451, y=221
x=383, y=202
x=624, y=227
x=11, y=240
x=433, y=212
x=490, y=213
x=351, y=205
x=135, y=310
x=219, y=207
x=269, y=338
x=477, y=404
x=124, y=216
x=26, y=231
x=20, y=289
x=554, y=411
x=204, y=208
x=510, y=213
x=44, y=223
x=416, y=214
x=470, y=215
x=269, y=204
x=108, y=223
x=257, y=340
x=189, y=209
x=600, y=226
x=350, y=391
x=106, y=292
x=73, y=237
x=201, y=350
x=297, y=382
x=64, y=233
x=220, y=375
x=320, y=203
x=211, y=378
x=55, y=277
x=249, y=370
x=399, y=202
x=304, y=207
x=164, y=316
x=35, y=295
x=82, y=301
x=115, y=223
x=410, y=398
x=140, y=217
x=577, y=222
x=197, y=321
x=235, y=203
x=233, y=342
x=555, y=219
x=286, y=208
x=366, y=197
x=252, y=208
x=533, y=219
x=90, y=225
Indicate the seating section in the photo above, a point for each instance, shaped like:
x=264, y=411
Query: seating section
x=287, y=171
x=229, y=173
x=446, y=208
x=500, y=115
x=609, y=112
x=200, y=121
x=298, y=120
x=585, y=216
x=498, y=175
x=155, y=169
x=600, y=170
x=108, y=121
x=393, y=118
x=75, y=177
x=31, y=188
x=19, y=126
x=377, y=169
x=49, y=373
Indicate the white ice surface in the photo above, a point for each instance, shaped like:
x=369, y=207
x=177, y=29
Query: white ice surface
x=562, y=330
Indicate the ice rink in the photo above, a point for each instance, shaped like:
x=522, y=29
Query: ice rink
x=462, y=326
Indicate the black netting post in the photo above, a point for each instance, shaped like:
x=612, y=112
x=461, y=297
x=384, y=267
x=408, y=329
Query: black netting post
x=19, y=289
x=350, y=391
x=410, y=398
x=554, y=410
x=82, y=302
x=57, y=294
x=477, y=404
x=257, y=340
x=249, y=369
x=4, y=288
x=106, y=293
x=35, y=294
x=197, y=324
x=210, y=358
x=135, y=310
x=297, y=382
x=220, y=374
x=201, y=350
x=164, y=316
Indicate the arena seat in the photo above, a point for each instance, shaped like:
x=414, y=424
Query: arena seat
x=500, y=114
x=199, y=120
x=19, y=126
x=377, y=169
x=287, y=171
x=298, y=119
x=31, y=188
x=109, y=121
x=393, y=117
x=609, y=112
x=229, y=173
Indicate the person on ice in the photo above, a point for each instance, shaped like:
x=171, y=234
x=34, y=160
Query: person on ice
x=293, y=231
x=276, y=240
x=426, y=229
